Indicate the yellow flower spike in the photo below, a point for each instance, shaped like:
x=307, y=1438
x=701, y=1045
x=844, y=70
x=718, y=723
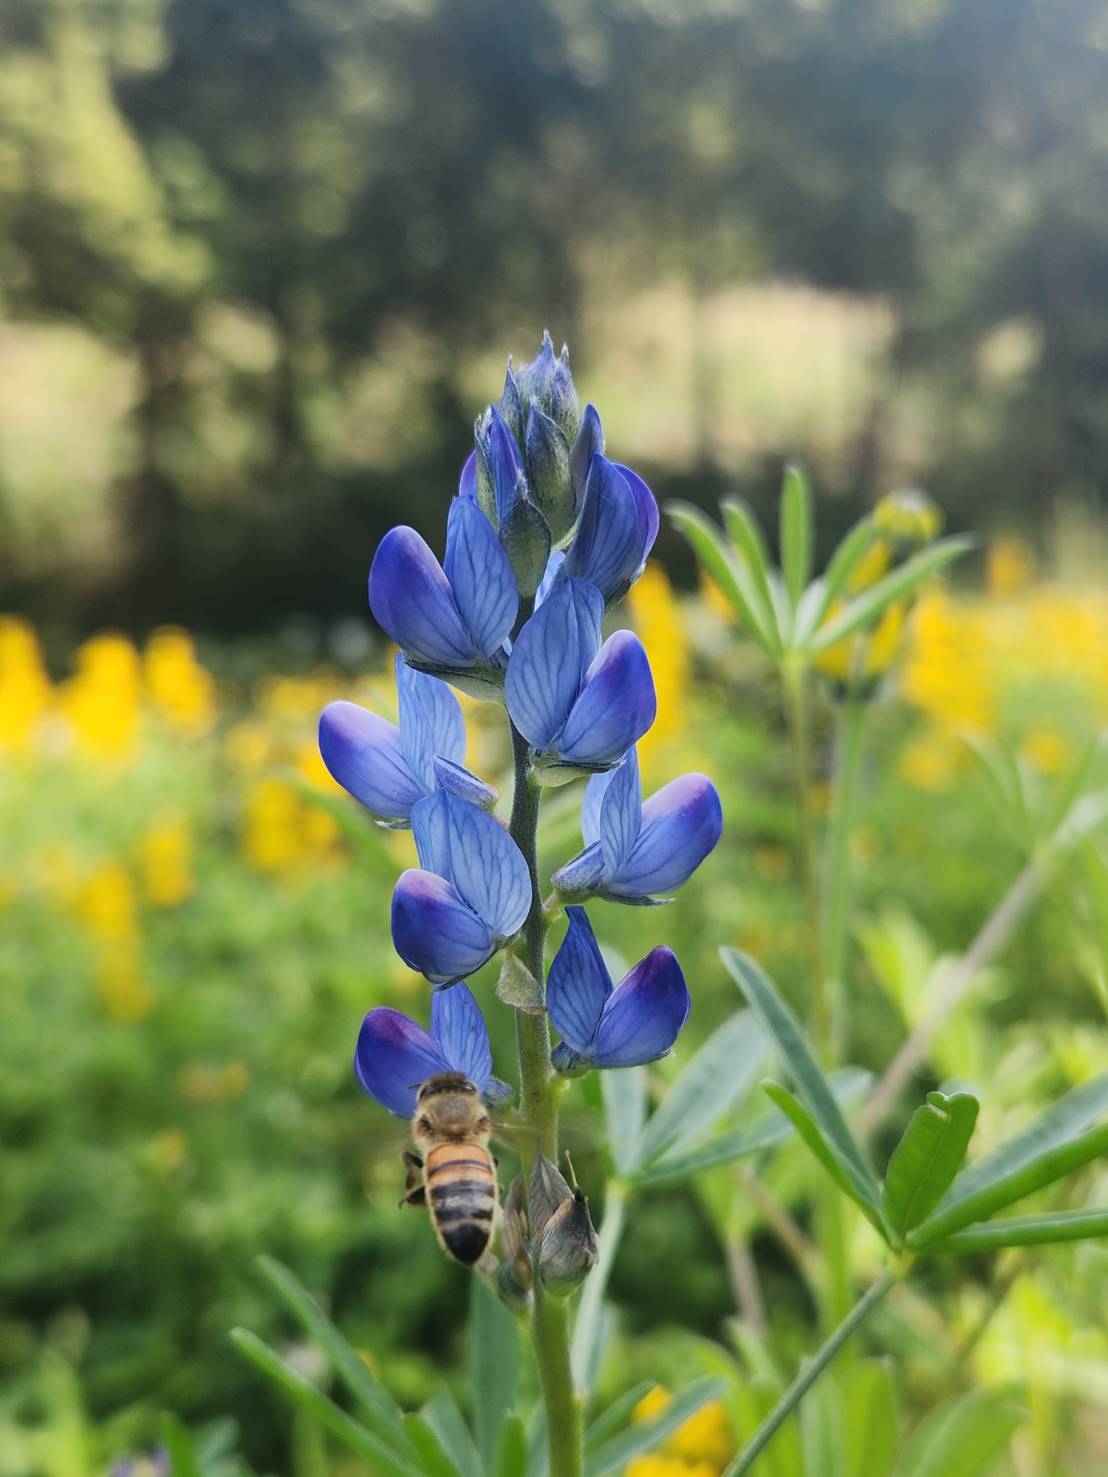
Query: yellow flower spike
x=657, y=617
x=271, y=836
x=179, y=688
x=121, y=985
x=25, y=690
x=102, y=700
x=166, y=859
x=931, y=763
x=651, y=1404
x=248, y=746
x=1009, y=565
x=705, y=1438
x=907, y=519
x=106, y=904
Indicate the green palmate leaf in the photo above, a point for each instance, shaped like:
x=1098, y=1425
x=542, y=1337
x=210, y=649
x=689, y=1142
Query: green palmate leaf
x=511, y=1448
x=493, y=1365
x=865, y=608
x=433, y=1457
x=618, y=1415
x=844, y=561
x=849, y=1085
x=1027, y=1230
x=812, y=1087
x=796, y=533
x=747, y=537
x=613, y=1455
x=962, y=1436
x=313, y=1402
x=183, y=1460
x=729, y=573
x=624, y=1112
x=930, y=1154
x=381, y=1412
x=871, y=1412
x=445, y=1419
x=824, y=1149
x=720, y=1074
x=1054, y=1144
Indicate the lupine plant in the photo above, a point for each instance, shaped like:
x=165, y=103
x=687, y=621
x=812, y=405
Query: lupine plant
x=544, y=536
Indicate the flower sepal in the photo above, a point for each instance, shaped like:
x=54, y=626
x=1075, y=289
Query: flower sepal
x=486, y=683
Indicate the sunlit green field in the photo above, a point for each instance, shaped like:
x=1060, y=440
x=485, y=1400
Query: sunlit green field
x=194, y=921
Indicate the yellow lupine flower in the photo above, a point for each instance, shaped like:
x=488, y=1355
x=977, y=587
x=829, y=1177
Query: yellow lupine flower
x=106, y=904
x=657, y=618
x=102, y=700
x=271, y=837
x=700, y=1447
x=24, y=685
x=930, y=762
x=180, y=689
x=122, y=987
x=1009, y=565
x=166, y=858
x=248, y=745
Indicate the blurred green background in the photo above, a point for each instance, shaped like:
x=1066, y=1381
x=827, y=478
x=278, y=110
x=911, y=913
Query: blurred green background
x=260, y=264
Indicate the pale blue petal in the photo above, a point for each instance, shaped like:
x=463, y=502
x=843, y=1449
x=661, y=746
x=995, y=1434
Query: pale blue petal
x=554, y=567
x=472, y=849
x=644, y=1013
x=647, y=507
x=459, y=1027
x=550, y=659
x=431, y=721
x=480, y=574
x=595, y=791
x=616, y=706
x=394, y=1057
x=578, y=984
x=467, y=481
x=621, y=812
x=680, y=826
x=363, y=754
x=607, y=548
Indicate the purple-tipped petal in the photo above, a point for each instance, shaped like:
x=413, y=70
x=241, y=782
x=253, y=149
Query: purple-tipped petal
x=363, y=753
x=550, y=659
x=461, y=842
x=616, y=707
x=583, y=874
x=431, y=722
x=459, y=781
x=621, y=812
x=459, y=1027
x=496, y=1093
x=647, y=507
x=578, y=984
x=411, y=599
x=643, y=1014
x=480, y=575
x=433, y=930
x=394, y=1057
x=607, y=548
x=680, y=826
x=589, y=443
x=467, y=480
x=591, y=805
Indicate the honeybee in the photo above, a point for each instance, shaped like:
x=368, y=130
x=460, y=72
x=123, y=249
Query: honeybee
x=453, y=1174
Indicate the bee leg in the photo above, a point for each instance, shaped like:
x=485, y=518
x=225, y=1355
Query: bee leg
x=414, y=1193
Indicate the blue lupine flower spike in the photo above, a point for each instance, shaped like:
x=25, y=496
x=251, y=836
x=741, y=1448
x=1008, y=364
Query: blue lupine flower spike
x=636, y=1022
x=469, y=895
x=452, y=619
x=395, y=1056
x=633, y=852
x=579, y=705
x=619, y=523
x=388, y=768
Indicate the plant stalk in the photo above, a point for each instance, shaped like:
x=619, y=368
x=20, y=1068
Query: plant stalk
x=796, y=713
x=837, y=879
x=809, y=1375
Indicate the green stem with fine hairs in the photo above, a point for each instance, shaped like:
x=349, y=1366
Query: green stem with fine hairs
x=837, y=871
x=539, y=1106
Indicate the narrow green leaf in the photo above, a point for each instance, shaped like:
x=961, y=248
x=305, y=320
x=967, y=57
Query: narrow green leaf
x=445, y=1419
x=733, y=578
x=613, y=1420
x=380, y=1411
x=717, y=1077
x=1055, y=1143
x=305, y=1395
x=962, y=1436
x=865, y=608
x=822, y=1147
x=872, y=1412
x=849, y=1085
x=493, y=1365
x=811, y=1085
x=1003, y=782
x=930, y=1154
x=1074, y=783
x=844, y=561
x=614, y=1454
x=433, y=1457
x=183, y=1460
x=796, y=533
x=1026, y=1230
x=511, y=1448
x=625, y=1113
x=592, y=1327
x=747, y=537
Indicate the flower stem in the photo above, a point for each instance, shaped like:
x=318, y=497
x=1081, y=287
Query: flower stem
x=796, y=712
x=837, y=871
x=539, y=1105
x=809, y=1375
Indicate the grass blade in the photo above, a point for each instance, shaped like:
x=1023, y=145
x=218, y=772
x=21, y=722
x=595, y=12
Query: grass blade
x=494, y=1366
x=434, y=1460
x=962, y=1436
x=929, y=1155
x=511, y=1448
x=625, y=1113
x=618, y=1415
x=445, y=1419
x=183, y=1460
x=730, y=575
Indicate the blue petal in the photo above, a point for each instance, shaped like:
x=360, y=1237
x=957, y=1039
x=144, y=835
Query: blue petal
x=647, y=507
x=431, y=722
x=459, y=781
x=616, y=706
x=680, y=826
x=589, y=443
x=472, y=849
x=583, y=874
x=643, y=1014
x=467, y=480
x=480, y=574
x=412, y=601
x=496, y=1093
x=550, y=658
x=621, y=812
x=433, y=930
x=591, y=806
x=578, y=984
x=363, y=753
x=505, y=464
x=459, y=1027
x=607, y=548
x=394, y=1057
x=554, y=567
